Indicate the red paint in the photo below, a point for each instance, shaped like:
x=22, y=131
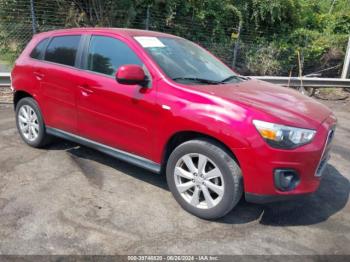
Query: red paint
x=132, y=118
x=130, y=73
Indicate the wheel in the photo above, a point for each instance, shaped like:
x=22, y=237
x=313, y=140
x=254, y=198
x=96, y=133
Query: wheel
x=30, y=123
x=204, y=179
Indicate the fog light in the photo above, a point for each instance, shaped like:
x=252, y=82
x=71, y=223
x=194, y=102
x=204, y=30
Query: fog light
x=286, y=179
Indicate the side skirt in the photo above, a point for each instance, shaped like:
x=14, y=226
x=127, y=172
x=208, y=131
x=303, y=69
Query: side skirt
x=122, y=155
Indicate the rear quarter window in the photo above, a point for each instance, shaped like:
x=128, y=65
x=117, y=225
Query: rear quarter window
x=63, y=49
x=38, y=51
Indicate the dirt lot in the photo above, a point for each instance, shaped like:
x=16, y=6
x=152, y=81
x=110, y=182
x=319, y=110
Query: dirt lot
x=69, y=199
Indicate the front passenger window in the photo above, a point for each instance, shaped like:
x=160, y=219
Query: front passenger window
x=107, y=54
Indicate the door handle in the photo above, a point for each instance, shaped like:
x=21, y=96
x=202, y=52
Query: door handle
x=85, y=90
x=39, y=75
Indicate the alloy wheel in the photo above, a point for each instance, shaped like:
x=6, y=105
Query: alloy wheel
x=199, y=180
x=28, y=122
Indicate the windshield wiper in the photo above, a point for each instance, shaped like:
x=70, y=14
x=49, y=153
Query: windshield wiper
x=232, y=77
x=201, y=80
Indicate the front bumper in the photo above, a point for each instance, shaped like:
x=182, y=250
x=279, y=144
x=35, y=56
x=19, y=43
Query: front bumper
x=264, y=199
x=259, y=163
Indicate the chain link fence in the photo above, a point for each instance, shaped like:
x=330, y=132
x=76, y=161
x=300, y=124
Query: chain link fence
x=268, y=53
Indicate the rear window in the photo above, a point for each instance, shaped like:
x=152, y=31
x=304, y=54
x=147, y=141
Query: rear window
x=38, y=51
x=63, y=50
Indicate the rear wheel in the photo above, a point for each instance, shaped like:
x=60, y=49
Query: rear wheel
x=204, y=179
x=30, y=123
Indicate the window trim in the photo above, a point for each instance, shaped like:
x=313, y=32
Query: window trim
x=80, y=53
x=80, y=62
x=85, y=51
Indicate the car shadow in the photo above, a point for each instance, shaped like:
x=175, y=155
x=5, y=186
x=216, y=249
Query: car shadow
x=81, y=152
x=330, y=198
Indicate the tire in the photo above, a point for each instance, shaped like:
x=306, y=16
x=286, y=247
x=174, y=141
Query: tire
x=29, y=105
x=228, y=186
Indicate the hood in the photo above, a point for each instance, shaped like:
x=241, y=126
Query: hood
x=288, y=105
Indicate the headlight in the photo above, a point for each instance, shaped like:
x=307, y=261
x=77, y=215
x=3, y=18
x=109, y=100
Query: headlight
x=280, y=136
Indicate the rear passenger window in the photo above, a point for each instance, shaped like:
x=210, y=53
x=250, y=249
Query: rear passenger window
x=107, y=54
x=63, y=50
x=38, y=51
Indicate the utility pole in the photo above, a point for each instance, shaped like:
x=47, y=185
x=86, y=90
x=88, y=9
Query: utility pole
x=346, y=67
x=236, y=47
x=32, y=12
x=300, y=63
x=147, y=17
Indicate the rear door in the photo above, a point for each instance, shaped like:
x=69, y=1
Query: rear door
x=25, y=72
x=59, y=83
x=121, y=116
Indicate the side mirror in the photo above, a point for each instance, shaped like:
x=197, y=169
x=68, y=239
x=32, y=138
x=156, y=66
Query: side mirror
x=131, y=75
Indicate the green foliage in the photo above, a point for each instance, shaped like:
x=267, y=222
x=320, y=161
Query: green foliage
x=320, y=33
x=317, y=49
x=272, y=31
x=340, y=24
x=262, y=59
x=269, y=16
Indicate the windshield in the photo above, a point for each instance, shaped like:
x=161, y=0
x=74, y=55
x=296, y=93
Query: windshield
x=184, y=61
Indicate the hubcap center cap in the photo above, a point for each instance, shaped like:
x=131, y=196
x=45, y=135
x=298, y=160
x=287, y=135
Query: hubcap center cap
x=198, y=180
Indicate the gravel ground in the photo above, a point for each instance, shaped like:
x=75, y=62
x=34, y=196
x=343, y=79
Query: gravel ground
x=5, y=95
x=68, y=199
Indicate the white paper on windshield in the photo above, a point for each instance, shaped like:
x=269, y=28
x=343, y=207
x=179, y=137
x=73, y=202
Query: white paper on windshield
x=148, y=41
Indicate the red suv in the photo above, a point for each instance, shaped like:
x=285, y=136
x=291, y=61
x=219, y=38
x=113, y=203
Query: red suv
x=165, y=104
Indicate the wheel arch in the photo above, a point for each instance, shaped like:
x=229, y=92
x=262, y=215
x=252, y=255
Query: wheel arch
x=18, y=95
x=184, y=136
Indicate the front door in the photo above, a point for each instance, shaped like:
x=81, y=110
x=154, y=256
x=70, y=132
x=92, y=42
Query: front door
x=117, y=115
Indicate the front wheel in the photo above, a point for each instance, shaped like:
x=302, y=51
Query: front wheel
x=204, y=178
